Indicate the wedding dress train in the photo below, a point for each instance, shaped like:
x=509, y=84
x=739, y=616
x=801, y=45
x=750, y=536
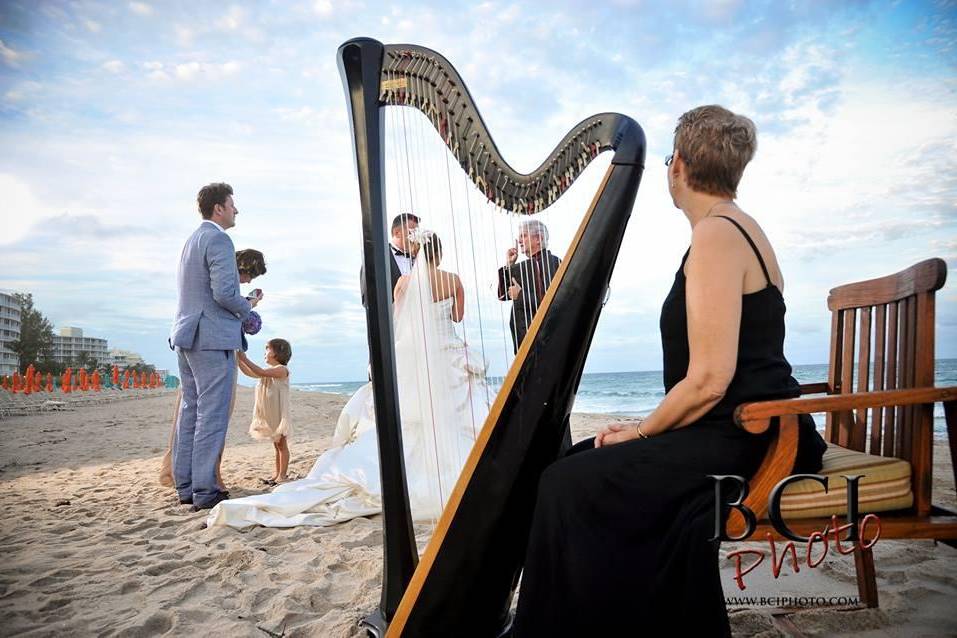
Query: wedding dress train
x=443, y=400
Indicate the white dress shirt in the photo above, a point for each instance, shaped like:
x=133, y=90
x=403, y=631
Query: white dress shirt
x=404, y=263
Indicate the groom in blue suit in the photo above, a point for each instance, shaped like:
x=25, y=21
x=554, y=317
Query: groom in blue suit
x=207, y=330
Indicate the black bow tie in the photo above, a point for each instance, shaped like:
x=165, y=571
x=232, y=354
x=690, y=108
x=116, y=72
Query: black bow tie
x=397, y=252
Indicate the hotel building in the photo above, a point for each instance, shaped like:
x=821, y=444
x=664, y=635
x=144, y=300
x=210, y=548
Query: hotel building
x=9, y=331
x=68, y=345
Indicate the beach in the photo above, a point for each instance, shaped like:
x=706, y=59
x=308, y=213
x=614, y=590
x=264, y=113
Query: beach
x=93, y=545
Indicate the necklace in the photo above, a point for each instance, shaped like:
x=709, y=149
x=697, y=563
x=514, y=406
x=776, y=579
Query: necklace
x=723, y=201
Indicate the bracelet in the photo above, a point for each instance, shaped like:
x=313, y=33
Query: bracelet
x=641, y=435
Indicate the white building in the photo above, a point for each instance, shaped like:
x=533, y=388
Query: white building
x=68, y=345
x=124, y=358
x=9, y=331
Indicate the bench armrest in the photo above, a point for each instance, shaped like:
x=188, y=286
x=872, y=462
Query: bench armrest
x=756, y=417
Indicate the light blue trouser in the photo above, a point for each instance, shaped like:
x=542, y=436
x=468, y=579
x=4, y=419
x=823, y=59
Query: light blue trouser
x=208, y=378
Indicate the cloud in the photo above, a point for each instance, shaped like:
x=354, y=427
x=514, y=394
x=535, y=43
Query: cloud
x=864, y=232
x=19, y=208
x=233, y=19
x=185, y=35
x=92, y=26
x=721, y=11
x=141, y=8
x=10, y=56
x=23, y=91
x=322, y=120
x=155, y=71
x=190, y=71
x=114, y=66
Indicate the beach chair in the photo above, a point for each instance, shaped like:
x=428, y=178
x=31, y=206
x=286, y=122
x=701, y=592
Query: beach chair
x=879, y=403
x=6, y=404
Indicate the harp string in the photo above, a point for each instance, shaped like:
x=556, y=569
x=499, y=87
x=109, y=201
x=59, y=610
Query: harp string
x=422, y=160
x=469, y=319
x=459, y=260
x=501, y=309
x=406, y=185
x=423, y=206
x=475, y=235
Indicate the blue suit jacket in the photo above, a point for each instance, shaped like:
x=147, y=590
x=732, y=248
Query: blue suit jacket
x=210, y=309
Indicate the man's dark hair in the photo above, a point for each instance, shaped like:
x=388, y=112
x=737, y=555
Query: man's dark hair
x=402, y=219
x=250, y=262
x=210, y=195
x=282, y=350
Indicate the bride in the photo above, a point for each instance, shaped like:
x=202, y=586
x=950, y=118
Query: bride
x=443, y=402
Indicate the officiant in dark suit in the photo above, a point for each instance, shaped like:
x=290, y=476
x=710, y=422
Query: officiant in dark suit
x=524, y=283
x=402, y=250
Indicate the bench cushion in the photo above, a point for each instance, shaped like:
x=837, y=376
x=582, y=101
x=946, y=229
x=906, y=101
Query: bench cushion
x=886, y=486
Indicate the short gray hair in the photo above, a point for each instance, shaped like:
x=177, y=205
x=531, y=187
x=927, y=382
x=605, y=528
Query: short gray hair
x=537, y=228
x=715, y=145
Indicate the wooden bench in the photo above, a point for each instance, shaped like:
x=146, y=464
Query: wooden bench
x=880, y=397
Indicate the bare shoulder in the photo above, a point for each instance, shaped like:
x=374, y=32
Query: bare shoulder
x=715, y=238
x=449, y=278
x=444, y=284
x=713, y=235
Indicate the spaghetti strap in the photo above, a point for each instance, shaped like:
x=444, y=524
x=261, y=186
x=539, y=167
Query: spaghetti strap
x=757, y=252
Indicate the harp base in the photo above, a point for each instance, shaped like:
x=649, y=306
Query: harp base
x=375, y=624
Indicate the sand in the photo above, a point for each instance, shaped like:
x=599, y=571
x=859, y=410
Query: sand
x=93, y=545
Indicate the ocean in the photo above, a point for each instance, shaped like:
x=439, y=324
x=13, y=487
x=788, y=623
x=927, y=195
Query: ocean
x=637, y=393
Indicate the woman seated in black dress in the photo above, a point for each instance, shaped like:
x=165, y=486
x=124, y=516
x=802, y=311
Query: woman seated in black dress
x=620, y=537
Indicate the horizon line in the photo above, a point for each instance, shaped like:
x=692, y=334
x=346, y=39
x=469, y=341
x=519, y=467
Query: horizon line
x=795, y=365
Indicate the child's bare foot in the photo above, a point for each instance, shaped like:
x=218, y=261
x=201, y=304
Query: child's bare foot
x=282, y=479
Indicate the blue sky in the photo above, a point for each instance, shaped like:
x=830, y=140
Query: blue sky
x=113, y=114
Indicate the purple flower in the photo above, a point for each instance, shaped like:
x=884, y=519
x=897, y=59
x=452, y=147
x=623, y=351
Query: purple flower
x=253, y=323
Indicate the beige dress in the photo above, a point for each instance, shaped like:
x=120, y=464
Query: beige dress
x=271, y=412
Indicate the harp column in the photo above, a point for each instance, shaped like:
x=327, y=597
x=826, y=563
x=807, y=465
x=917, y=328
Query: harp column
x=360, y=65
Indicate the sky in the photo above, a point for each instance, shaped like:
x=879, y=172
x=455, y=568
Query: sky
x=113, y=115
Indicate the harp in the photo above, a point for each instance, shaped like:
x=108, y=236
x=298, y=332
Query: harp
x=465, y=580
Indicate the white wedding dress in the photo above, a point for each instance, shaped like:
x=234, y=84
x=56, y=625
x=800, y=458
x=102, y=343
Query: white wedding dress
x=443, y=399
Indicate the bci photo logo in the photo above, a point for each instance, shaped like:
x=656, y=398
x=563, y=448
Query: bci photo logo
x=856, y=527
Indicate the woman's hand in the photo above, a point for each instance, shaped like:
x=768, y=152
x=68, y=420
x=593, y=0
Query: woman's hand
x=618, y=433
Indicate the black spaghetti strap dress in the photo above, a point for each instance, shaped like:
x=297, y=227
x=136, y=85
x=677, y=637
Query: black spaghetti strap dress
x=619, y=540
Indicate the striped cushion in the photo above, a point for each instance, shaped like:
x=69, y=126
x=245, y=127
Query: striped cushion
x=886, y=486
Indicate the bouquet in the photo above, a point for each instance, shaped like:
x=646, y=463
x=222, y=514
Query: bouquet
x=253, y=323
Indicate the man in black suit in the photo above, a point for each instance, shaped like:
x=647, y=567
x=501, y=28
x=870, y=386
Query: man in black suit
x=402, y=249
x=524, y=283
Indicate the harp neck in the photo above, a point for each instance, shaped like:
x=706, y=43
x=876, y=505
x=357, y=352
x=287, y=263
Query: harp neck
x=417, y=77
